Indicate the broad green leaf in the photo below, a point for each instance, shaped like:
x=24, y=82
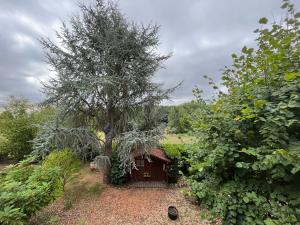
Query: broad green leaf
x=249, y=151
x=295, y=170
x=290, y=76
x=269, y=222
x=263, y=20
x=246, y=199
x=250, y=116
x=281, y=152
x=244, y=49
x=246, y=110
x=284, y=5
x=258, y=104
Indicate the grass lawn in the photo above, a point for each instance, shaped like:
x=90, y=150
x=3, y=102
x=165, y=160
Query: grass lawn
x=169, y=138
x=178, y=139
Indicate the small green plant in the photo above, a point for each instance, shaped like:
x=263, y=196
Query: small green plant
x=67, y=162
x=80, y=221
x=117, y=175
x=173, y=171
x=68, y=203
x=178, y=153
x=95, y=189
x=54, y=220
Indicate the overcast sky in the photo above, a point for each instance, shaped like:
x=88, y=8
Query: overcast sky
x=201, y=34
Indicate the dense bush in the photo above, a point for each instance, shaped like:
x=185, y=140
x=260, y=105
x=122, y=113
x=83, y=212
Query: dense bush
x=25, y=189
x=178, y=153
x=66, y=161
x=117, y=174
x=246, y=167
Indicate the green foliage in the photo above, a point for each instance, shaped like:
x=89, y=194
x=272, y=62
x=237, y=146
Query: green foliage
x=17, y=127
x=173, y=171
x=25, y=189
x=54, y=135
x=54, y=220
x=180, y=116
x=117, y=174
x=173, y=150
x=247, y=163
x=179, y=154
x=66, y=161
x=113, y=83
x=137, y=139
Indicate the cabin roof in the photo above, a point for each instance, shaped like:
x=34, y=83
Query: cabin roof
x=155, y=152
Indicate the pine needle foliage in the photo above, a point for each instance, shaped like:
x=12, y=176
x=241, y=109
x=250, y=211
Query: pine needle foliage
x=104, y=66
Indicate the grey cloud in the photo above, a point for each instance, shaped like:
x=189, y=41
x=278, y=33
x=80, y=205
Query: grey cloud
x=201, y=34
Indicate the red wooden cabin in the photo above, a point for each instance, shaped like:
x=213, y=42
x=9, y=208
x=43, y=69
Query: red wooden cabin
x=152, y=168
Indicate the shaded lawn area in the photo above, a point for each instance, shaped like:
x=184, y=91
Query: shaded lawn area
x=88, y=202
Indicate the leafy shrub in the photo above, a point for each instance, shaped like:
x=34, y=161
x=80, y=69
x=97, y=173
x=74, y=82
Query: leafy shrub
x=178, y=153
x=173, y=150
x=117, y=175
x=173, y=171
x=67, y=162
x=246, y=168
x=25, y=189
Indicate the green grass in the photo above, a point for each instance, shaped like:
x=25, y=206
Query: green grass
x=169, y=138
x=178, y=139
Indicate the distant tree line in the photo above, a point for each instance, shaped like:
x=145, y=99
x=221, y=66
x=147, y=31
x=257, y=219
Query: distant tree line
x=19, y=119
x=179, y=117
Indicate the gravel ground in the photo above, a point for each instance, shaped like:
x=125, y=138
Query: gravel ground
x=117, y=206
x=127, y=206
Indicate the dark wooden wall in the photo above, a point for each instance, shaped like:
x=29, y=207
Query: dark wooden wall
x=155, y=169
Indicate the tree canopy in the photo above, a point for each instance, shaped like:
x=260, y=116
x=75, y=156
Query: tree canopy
x=104, y=67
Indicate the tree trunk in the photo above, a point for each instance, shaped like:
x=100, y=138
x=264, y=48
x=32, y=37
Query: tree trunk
x=107, y=152
x=109, y=134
